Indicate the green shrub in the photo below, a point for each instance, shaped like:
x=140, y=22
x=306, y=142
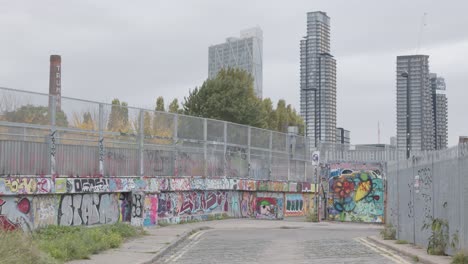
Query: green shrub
x=312, y=217
x=460, y=258
x=439, y=237
x=68, y=243
x=17, y=247
x=402, y=242
x=388, y=233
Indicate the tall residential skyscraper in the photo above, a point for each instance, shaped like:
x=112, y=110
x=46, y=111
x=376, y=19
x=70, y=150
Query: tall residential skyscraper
x=244, y=53
x=415, y=118
x=439, y=107
x=318, y=80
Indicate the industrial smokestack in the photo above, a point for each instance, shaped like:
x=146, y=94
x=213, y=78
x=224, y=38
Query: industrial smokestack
x=55, y=80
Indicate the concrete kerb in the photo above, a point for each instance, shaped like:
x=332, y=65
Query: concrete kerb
x=422, y=257
x=174, y=244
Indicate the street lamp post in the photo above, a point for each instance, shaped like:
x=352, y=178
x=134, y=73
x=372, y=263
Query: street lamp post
x=408, y=131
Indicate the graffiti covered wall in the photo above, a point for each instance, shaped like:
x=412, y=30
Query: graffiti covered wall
x=32, y=202
x=356, y=192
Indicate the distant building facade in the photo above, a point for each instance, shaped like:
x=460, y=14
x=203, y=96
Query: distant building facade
x=244, y=53
x=318, y=80
x=415, y=116
x=343, y=136
x=439, y=107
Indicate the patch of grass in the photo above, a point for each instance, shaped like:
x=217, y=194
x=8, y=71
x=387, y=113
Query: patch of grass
x=388, y=233
x=68, y=243
x=402, y=242
x=415, y=258
x=460, y=258
x=17, y=247
x=312, y=217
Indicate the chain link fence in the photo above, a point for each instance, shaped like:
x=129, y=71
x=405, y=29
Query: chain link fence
x=85, y=138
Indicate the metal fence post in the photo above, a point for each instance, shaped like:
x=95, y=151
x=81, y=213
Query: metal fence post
x=288, y=150
x=205, y=151
x=101, y=139
x=270, y=155
x=225, y=150
x=141, y=141
x=248, y=150
x=53, y=131
x=176, y=139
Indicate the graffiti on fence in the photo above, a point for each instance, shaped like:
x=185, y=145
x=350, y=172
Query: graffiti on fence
x=248, y=205
x=246, y=185
x=294, y=205
x=236, y=162
x=219, y=184
x=138, y=199
x=90, y=185
x=425, y=188
x=15, y=213
x=180, y=184
x=356, y=196
x=189, y=164
x=44, y=210
x=150, y=210
x=269, y=206
x=176, y=205
x=88, y=209
x=25, y=185
x=158, y=162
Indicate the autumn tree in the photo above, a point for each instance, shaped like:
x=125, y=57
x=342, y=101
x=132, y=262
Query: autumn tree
x=118, y=118
x=174, y=107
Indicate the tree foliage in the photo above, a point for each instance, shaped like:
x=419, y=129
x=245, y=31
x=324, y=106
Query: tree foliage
x=230, y=97
x=174, y=107
x=160, y=104
x=118, y=118
x=38, y=115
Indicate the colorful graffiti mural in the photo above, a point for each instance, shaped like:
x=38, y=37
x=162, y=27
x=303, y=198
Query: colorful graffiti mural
x=15, y=213
x=269, y=206
x=356, y=195
x=173, y=206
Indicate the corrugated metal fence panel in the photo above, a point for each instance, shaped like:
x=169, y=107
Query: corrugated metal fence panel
x=26, y=158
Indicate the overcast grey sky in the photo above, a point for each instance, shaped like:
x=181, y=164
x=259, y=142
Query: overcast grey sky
x=139, y=50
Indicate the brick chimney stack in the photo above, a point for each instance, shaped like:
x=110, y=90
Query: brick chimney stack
x=55, y=80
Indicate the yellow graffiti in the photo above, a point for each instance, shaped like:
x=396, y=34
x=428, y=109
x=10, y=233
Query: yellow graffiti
x=362, y=190
x=21, y=185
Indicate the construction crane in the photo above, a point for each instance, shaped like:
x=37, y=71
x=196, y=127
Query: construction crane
x=421, y=29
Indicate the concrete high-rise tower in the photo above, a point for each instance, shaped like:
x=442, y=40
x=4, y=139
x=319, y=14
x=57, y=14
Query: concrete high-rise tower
x=415, y=117
x=55, y=80
x=244, y=53
x=318, y=80
x=439, y=107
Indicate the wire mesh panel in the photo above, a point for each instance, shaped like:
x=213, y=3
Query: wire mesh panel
x=215, y=160
x=28, y=108
x=190, y=128
x=279, y=141
x=159, y=128
x=237, y=134
x=158, y=160
x=237, y=164
x=189, y=159
x=260, y=138
x=259, y=164
x=215, y=130
x=279, y=167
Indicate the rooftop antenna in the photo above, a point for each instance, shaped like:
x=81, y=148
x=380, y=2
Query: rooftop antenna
x=421, y=28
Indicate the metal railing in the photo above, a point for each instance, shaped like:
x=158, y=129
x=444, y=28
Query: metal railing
x=86, y=138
